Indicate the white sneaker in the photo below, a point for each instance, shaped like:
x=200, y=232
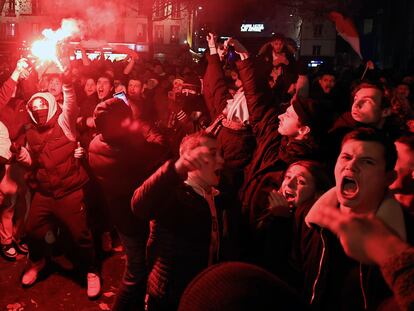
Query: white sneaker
x=31, y=271
x=106, y=242
x=94, y=285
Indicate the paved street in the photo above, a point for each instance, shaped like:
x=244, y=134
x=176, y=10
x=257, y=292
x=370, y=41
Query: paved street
x=59, y=290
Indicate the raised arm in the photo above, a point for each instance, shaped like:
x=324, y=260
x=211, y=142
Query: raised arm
x=262, y=117
x=70, y=110
x=216, y=91
x=153, y=198
x=8, y=87
x=132, y=56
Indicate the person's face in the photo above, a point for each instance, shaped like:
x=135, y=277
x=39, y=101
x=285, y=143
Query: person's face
x=277, y=45
x=103, y=87
x=209, y=174
x=298, y=185
x=134, y=88
x=327, y=82
x=39, y=108
x=289, y=124
x=90, y=87
x=404, y=184
x=360, y=176
x=55, y=86
x=403, y=90
x=366, y=107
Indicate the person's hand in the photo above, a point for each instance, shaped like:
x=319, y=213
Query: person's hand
x=79, y=152
x=292, y=89
x=278, y=205
x=90, y=122
x=22, y=70
x=370, y=65
x=211, y=40
x=364, y=237
x=276, y=72
x=192, y=160
x=238, y=47
x=24, y=74
x=22, y=64
x=280, y=59
x=23, y=157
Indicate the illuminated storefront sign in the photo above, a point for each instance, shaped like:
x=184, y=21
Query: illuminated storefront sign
x=252, y=27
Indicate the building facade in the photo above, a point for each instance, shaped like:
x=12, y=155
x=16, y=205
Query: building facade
x=115, y=22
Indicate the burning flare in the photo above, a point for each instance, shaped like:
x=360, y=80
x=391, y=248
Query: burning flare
x=46, y=49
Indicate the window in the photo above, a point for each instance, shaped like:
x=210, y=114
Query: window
x=160, y=9
x=12, y=8
x=175, y=10
x=159, y=34
x=11, y=30
x=317, y=30
x=141, y=33
x=175, y=34
x=316, y=50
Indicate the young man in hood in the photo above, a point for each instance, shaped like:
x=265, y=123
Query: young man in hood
x=364, y=170
x=58, y=180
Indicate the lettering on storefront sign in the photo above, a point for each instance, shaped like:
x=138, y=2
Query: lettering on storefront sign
x=252, y=27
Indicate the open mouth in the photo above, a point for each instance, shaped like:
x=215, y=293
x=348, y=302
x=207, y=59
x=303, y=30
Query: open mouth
x=349, y=187
x=289, y=196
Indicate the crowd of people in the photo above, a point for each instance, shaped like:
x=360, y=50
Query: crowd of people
x=241, y=182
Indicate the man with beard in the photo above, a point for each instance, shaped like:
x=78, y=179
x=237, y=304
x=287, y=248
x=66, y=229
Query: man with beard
x=142, y=107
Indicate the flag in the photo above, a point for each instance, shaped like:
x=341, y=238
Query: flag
x=347, y=30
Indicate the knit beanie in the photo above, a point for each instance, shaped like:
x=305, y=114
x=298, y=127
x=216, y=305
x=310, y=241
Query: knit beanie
x=236, y=286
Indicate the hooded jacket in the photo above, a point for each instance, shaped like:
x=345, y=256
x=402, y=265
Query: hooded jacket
x=122, y=163
x=56, y=171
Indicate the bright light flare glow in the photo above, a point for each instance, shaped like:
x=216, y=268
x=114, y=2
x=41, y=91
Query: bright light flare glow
x=46, y=49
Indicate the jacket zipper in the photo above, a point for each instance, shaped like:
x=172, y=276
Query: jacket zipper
x=361, y=283
x=319, y=269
